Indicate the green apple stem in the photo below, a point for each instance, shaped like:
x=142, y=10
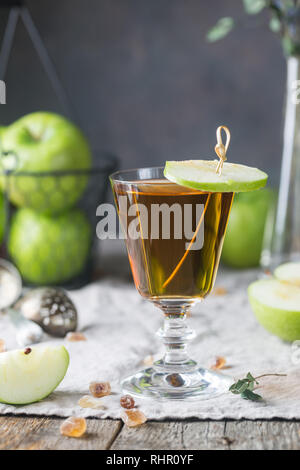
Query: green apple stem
x=34, y=136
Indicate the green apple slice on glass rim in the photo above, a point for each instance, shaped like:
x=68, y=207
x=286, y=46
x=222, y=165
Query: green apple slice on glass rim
x=202, y=175
x=28, y=376
x=213, y=175
x=276, y=305
x=288, y=272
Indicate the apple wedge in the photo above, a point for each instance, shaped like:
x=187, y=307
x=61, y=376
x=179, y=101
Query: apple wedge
x=29, y=375
x=288, y=272
x=276, y=305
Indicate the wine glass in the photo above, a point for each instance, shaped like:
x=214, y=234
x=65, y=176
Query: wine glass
x=174, y=238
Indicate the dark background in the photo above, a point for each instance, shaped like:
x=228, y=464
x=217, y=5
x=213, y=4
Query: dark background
x=146, y=85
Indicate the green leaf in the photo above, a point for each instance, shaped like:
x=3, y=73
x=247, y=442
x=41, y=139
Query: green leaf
x=290, y=47
x=244, y=387
x=251, y=386
x=220, y=30
x=250, y=377
x=249, y=395
x=276, y=9
x=252, y=7
x=287, y=5
x=275, y=25
x=252, y=381
x=239, y=387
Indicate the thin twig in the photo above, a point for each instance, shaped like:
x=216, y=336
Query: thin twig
x=270, y=375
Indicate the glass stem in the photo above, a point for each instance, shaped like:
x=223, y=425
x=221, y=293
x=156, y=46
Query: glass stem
x=175, y=334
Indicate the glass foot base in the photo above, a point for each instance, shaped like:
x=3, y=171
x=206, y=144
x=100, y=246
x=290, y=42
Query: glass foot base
x=198, y=384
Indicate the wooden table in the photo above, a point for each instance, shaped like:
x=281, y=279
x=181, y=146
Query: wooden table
x=31, y=433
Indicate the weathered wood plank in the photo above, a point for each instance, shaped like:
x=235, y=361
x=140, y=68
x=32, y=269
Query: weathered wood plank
x=28, y=433
x=149, y=436
x=263, y=435
x=172, y=436
x=211, y=435
x=14, y=429
x=23, y=433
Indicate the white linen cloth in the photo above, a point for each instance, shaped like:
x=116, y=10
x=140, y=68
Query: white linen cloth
x=120, y=328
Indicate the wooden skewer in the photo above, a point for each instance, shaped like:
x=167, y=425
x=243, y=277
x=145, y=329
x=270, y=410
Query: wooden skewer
x=220, y=148
x=190, y=244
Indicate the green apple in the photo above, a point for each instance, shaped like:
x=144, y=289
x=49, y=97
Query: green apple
x=2, y=130
x=245, y=231
x=288, y=272
x=28, y=376
x=2, y=199
x=276, y=306
x=45, y=142
x=49, y=250
x=2, y=216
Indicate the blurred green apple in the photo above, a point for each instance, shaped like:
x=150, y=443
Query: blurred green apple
x=49, y=250
x=288, y=272
x=245, y=231
x=276, y=305
x=2, y=200
x=46, y=142
x=2, y=216
x=2, y=129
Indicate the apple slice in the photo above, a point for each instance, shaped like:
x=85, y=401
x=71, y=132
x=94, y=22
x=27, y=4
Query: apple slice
x=29, y=375
x=288, y=272
x=276, y=306
x=201, y=175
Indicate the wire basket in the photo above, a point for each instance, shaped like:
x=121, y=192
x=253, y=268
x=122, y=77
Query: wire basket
x=48, y=222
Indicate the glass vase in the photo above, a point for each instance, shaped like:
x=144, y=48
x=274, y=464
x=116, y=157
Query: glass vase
x=284, y=245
